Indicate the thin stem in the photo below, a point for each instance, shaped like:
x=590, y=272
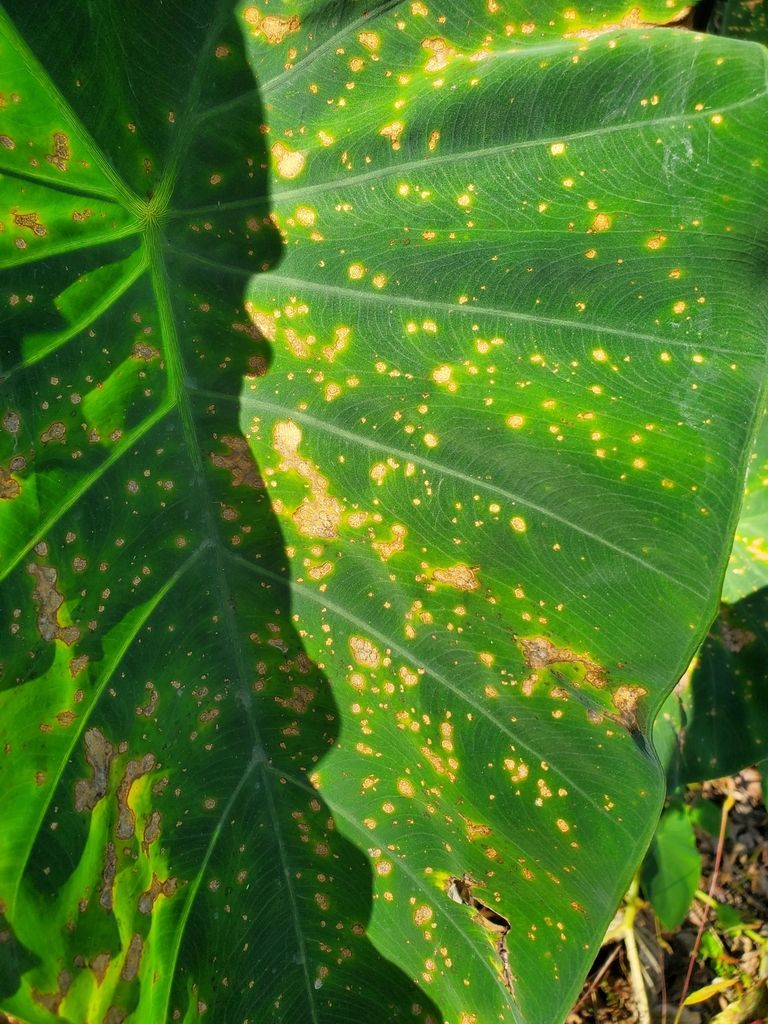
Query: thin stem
x=727, y=805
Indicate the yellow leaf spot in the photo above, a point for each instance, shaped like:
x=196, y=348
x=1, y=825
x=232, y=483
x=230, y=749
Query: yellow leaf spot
x=517, y=524
x=325, y=138
x=434, y=138
x=364, y=652
x=557, y=148
x=405, y=787
x=515, y=421
x=716, y=119
x=356, y=64
x=355, y=271
x=442, y=374
x=542, y=207
x=305, y=216
x=590, y=254
x=678, y=307
x=420, y=9
x=332, y=391
x=639, y=463
x=392, y=131
x=568, y=182
x=379, y=281
x=430, y=440
x=656, y=242
x=461, y=576
x=486, y=658
x=464, y=199
x=289, y=163
x=430, y=325
x=370, y=40
x=409, y=678
x=273, y=27
x=601, y=222
x=600, y=355
x=563, y=825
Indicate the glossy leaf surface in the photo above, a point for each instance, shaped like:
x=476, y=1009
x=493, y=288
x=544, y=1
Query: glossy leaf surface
x=331, y=584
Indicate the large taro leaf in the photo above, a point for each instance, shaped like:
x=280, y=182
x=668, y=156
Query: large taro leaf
x=516, y=368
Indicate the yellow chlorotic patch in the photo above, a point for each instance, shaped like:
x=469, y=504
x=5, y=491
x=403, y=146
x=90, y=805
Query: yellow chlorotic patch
x=517, y=524
x=289, y=163
x=320, y=515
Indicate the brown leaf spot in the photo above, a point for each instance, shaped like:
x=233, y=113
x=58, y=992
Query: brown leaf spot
x=60, y=151
x=78, y=664
x=143, y=351
x=304, y=697
x=625, y=699
x=132, y=958
x=462, y=577
x=9, y=488
x=50, y=600
x=126, y=822
x=54, y=433
x=239, y=463
x=320, y=516
x=151, y=831
x=65, y=718
x=540, y=653
x=108, y=876
x=273, y=27
x=364, y=652
x=734, y=640
x=99, y=753
x=156, y=889
x=99, y=966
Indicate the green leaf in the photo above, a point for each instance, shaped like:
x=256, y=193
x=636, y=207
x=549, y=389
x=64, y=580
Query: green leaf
x=739, y=19
x=723, y=721
x=707, y=815
x=748, y=564
x=335, y=592
x=672, y=865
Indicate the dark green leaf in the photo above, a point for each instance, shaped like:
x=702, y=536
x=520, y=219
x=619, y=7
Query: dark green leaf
x=499, y=382
x=672, y=865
